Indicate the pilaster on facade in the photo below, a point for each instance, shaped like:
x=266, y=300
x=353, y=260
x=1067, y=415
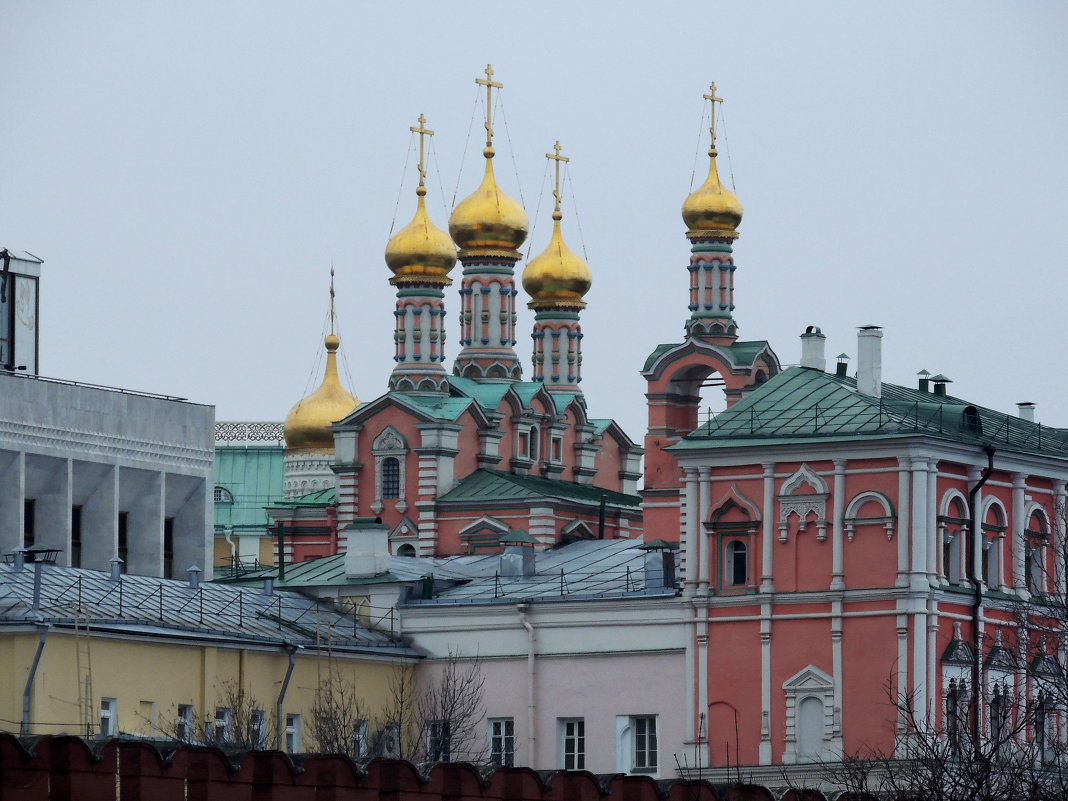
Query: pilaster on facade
x=837, y=545
x=586, y=448
x=764, y=751
x=439, y=446
x=1059, y=576
x=767, y=583
x=704, y=491
x=489, y=443
x=904, y=505
x=1019, y=532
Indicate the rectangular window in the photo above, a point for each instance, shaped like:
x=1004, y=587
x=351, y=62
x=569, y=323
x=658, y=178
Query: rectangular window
x=76, y=536
x=292, y=734
x=502, y=742
x=223, y=720
x=257, y=729
x=124, y=520
x=438, y=741
x=645, y=748
x=29, y=535
x=109, y=708
x=359, y=739
x=572, y=736
x=558, y=447
x=183, y=726
x=391, y=477
x=168, y=547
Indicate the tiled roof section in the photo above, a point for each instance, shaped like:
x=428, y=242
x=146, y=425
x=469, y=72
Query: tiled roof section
x=582, y=570
x=323, y=497
x=742, y=354
x=493, y=485
x=801, y=404
x=162, y=607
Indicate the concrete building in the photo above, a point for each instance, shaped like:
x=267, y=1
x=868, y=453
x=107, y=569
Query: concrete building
x=95, y=472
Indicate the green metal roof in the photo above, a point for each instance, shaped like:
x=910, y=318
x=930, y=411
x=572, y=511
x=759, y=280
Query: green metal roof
x=802, y=404
x=437, y=406
x=323, y=497
x=488, y=394
x=494, y=485
x=600, y=425
x=253, y=476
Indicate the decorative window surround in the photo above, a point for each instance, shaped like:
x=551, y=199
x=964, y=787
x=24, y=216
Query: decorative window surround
x=389, y=444
x=851, y=520
x=803, y=504
x=811, y=683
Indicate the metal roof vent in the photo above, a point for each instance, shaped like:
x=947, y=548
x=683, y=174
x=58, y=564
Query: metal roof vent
x=940, y=382
x=268, y=585
x=925, y=381
x=194, y=577
x=518, y=556
x=1027, y=411
x=116, y=569
x=842, y=368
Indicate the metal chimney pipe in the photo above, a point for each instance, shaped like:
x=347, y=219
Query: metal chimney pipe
x=116, y=569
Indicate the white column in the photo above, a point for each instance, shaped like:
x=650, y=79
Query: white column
x=692, y=532
x=765, y=684
x=702, y=677
x=836, y=661
x=1058, y=538
x=1019, y=582
x=691, y=713
x=704, y=493
x=919, y=518
x=838, y=536
x=919, y=664
x=932, y=652
x=767, y=583
x=974, y=474
x=902, y=523
x=902, y=669
x=933, y=540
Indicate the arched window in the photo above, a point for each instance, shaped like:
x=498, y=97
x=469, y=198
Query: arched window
x=532, y=444
x=953, y=525
x=391, y=477
x=993, y=529
x=737, y=564
x=1034, y=552
x=406, y=550
x=810, y=729
x=223, y=495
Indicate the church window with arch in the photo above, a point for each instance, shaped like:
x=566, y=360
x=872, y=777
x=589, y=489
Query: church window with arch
x=390, y=451
x=391, y=477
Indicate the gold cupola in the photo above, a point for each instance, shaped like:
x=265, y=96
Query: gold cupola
x=307, y=425
x=420, y=251
x=712, y=210
x=488, y=222
x=557, y=277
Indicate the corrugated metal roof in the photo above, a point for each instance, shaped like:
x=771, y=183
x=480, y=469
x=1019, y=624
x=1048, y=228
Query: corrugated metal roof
x=493, y=485
x=146, y=605
x=802, y=404
x=254, y=477
x=581, y=570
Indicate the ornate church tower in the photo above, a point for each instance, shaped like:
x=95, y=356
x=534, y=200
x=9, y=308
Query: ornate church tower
x=712, y=214
x=556, y=281
x=420, y=256
x=309, y=451
x=488, y=227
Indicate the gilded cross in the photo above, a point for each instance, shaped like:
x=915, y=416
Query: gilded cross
x=713, y=99
x=490, y=85
x=557, y=158
x=331, y=297
x=423, y=132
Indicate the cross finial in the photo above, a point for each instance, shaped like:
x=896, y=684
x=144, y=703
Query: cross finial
x=713, y=99
x=423, y=132
x=490, y=85
x=557, y=158
x=332, y=315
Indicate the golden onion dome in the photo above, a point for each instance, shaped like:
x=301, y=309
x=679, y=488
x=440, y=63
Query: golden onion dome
x=489, y=220
x=557, y=277
x=420, y=250
x=712, y=209
x=307, y=425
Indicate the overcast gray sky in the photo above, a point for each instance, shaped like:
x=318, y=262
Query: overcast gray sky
x=189, y=170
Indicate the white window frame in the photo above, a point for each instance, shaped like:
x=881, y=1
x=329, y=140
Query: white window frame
x=222, y=729
x=630, y=731
x=571, y=743
x=292, y=733
x=500, y=735
x=183, y=724
x=257, y=729
x=437, y=740
x=109, y=714
x=811, y=682
x=389, y=443
x=359, y=738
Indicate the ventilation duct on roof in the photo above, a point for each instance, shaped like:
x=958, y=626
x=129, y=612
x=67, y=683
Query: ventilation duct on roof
x=1026, y=411
x=870, y=361
x=813, y=343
